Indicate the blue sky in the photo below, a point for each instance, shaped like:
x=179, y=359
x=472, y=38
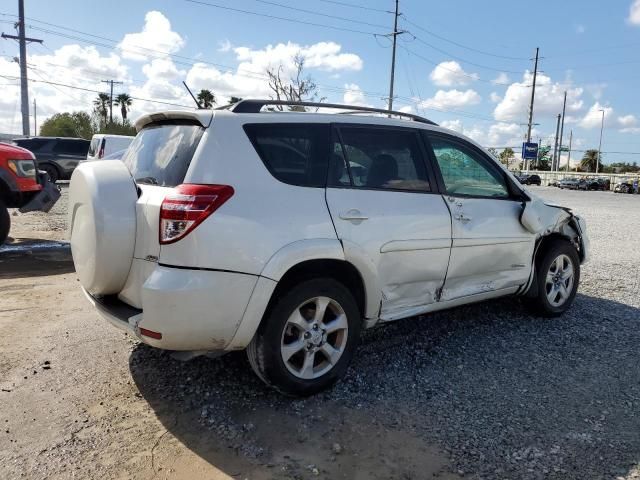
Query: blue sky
x=460, y=63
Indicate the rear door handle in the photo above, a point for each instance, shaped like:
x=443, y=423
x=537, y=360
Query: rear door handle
x=462, y=218
x=353, y=215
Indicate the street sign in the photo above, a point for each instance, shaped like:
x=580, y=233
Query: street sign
x=529, y=151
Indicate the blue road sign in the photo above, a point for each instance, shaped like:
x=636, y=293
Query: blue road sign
x=529, y=151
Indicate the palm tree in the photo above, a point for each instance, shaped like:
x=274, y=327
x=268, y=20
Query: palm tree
x=101, y=104
x=124, y=101
x=589, y=160
x=206, y=98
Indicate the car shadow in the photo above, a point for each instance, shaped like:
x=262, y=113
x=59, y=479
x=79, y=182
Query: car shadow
x=474, y=387
x=33, y=257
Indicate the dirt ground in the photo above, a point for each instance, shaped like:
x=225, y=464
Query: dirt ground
x=80, y=399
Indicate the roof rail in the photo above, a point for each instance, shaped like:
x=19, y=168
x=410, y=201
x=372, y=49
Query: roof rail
x=254, y=106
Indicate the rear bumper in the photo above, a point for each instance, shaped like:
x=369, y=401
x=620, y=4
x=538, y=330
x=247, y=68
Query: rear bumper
x=192, y=309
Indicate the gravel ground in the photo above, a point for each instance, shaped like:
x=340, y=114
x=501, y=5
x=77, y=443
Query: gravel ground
x=483, y=391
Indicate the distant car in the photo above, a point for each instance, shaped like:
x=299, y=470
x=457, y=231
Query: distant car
x=58, y=156
x=21, y=186
x=105, y=145
x=532, y=179
x=598, y=184
x=114, y=156
x=569, y=183
x=624, y=186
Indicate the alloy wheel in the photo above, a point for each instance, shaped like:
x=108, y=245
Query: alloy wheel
x=559, y=280
x=314, y=338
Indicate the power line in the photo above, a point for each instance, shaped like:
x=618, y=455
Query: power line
x=285, y=19
x=457, y=44
x=12, y=77
x=326, y=15
x=353, y=5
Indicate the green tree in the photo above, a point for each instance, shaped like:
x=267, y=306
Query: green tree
x=589, y=160
x=118, y=128
x=235, y=99
x=124, y=101
x=506, y=155
x=493, y=151
x=101, y=106
x=544, y=158
x=206, y=98
x=74, y=124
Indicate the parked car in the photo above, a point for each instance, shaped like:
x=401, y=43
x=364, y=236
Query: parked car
x=529, y=179
x=246, y=229
x=625, y=186
x=56, y=156
x=598, y=184
x=105, y=145
x=21, y=186
x=569, y=183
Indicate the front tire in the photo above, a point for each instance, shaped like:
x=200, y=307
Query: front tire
x=307, y=338
x=5, y=223
x=557, y=279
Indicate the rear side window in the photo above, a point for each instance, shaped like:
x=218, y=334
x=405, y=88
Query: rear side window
x=294, y=153
x=33, y=144
x=383, y=158
x=161, y=153
x=71, y=147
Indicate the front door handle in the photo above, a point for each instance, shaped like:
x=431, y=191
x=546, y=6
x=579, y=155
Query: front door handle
x=353, y=215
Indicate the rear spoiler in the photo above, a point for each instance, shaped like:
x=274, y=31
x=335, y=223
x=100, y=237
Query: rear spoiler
x=203, y=117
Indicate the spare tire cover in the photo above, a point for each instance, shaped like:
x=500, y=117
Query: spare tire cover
x=102, y=224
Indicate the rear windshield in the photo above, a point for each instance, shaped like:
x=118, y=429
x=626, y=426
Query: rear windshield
x=160, y=154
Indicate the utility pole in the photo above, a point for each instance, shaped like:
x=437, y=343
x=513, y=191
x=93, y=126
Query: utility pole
x=600, y=144
x=111, y=82
x=533, y=95
x=393, y=54
x=35, y=118
x=554, y=163
x=564, y=107
x=569, y=157
x=24, y=85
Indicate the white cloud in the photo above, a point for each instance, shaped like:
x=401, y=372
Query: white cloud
x=353, y=95
x=627, y=121
x=225, y=46
x=580, y=29
x=549, y=97
x=634, y=13
x=444, y=99
x=455, y=125
x=74, y=65
x=325, y=56
x=406, y=109
x=501, y=79
x=162, y=69
x=593, y=117
x=634, y=130
x=450, y=74
x=495, y=98
x=155, y=39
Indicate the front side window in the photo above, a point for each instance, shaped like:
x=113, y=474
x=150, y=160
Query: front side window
x=465, y=172
x=384, y=158
x=294, y=153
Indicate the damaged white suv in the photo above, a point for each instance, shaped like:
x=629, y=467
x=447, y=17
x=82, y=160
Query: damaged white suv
x=287, y=233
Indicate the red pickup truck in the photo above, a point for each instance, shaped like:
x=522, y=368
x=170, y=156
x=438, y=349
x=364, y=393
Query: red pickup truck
x=22, y=186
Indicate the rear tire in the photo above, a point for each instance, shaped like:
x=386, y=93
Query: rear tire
x=5, y=222
x=52, y=172
x=557, y=279
x=307, y=338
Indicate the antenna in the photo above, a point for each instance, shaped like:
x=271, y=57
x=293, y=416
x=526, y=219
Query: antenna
x=192, y=96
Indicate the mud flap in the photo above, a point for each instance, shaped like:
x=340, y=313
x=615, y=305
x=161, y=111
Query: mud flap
x=44, y=200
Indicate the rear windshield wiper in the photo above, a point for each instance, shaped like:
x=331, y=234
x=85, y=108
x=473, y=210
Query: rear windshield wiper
x=147, y=180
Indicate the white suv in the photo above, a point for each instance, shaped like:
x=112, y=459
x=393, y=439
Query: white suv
x=286, y=233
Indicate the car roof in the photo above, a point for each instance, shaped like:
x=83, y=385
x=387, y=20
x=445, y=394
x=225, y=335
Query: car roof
x=48, y=138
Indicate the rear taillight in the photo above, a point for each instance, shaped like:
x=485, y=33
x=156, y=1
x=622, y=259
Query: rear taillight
x=187, y=206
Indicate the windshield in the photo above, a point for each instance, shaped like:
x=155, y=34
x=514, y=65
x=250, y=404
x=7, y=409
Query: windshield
x=160, y=154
